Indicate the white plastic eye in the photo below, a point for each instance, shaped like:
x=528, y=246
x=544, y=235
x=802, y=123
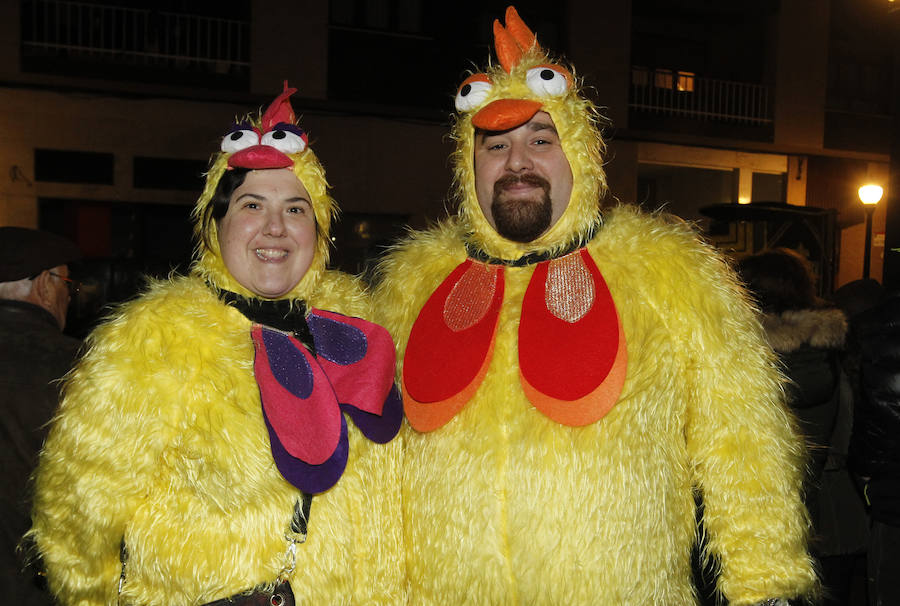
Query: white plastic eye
x=547, y=81
x=473, y=92
x=238, y=139
x=286, y=138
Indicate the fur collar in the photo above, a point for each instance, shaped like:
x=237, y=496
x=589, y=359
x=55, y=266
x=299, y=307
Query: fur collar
x=790, y=330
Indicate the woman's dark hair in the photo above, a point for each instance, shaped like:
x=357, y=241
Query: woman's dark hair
x=230, y=180
x=780, y=280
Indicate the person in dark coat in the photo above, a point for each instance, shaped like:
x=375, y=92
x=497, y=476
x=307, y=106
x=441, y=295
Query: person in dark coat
x=875, y=445
x=35, y=291
x=810, y=337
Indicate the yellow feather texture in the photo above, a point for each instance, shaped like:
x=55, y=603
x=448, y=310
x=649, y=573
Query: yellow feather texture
x=504, y=506
x=160, y=440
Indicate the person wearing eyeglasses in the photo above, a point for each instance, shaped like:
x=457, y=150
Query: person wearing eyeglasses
x=35, y=292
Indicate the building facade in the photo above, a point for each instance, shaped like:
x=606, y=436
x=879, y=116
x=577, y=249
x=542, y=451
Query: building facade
x=109, y=111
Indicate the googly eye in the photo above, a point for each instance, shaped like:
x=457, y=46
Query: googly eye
x=240, y=137
x=286, y=138
x=472, y=92
x=548, y=80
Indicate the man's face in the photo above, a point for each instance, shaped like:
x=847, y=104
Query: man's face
x=522, y=178
x=60, y=297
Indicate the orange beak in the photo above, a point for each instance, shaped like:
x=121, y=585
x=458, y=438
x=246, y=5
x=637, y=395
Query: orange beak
x=504, y=114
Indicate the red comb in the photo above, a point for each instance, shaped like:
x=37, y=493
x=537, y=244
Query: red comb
x=279, y=110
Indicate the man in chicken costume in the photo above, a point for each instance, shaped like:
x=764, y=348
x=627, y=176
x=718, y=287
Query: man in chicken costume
x=201, y=449
x=572, y=377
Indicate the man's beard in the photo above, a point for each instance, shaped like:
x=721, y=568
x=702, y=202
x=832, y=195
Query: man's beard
x=517, y=219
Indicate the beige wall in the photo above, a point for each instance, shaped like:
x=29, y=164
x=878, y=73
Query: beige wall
x=796, y=183
x=77, y=122
x=373, y=164
x=853, y=244
x=621, y=171
x=382, y=165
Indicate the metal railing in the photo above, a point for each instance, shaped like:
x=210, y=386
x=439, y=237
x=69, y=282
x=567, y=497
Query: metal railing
x=134, y=36
x=678, y=93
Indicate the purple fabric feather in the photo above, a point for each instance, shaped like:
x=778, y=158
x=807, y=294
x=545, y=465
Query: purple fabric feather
x=311, y=479
x=379, y=428
x=289, y=366
x=337, y=342
x=356, y=359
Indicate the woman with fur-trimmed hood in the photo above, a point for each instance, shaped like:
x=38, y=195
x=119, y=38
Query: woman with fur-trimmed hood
x=809, y=337
x=201, y=450
x=571, y=378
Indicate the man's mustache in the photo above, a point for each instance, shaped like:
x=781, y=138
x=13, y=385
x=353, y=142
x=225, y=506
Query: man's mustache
x=526, y=179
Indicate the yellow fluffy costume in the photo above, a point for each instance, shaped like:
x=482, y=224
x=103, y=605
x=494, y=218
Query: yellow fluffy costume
x=505, y=502
x=160, y=446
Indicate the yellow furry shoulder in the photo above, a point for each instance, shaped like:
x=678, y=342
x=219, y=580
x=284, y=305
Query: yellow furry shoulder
x=411, y=271
x=342, y=293
x=663, y=258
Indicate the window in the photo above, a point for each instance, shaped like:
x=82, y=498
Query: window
x=414, y=53
x=164, y=40
x=169, y=173
x=769, y=187
x=662, y=78
x=684, y=190
x=59, y=166
x=686, y=82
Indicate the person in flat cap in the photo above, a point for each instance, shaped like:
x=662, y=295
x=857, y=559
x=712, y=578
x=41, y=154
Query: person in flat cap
x=35, y=291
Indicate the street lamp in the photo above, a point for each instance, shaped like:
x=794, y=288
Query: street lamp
x=869, y=195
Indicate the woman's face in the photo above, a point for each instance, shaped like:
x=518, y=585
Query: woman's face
x=268, y=235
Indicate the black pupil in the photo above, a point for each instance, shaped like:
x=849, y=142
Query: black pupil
x=279, y=134
x=236, y=135
x=547, y=74
x=465, y=90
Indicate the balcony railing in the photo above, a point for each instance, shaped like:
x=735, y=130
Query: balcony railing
x=113, y=34
x=678, y=93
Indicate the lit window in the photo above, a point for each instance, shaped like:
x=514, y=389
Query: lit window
x=663, y=78
x=686, y=82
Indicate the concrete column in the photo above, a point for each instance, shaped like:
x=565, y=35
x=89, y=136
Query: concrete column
x=802, y=73
x=599, y=45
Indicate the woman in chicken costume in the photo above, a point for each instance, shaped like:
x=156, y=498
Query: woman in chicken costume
x=569, y=390
x=204, y=427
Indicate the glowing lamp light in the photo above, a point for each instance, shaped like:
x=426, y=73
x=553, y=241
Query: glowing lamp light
x=870, y=194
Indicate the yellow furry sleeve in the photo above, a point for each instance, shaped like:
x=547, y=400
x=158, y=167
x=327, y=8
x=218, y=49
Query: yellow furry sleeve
x=746, y=457
x=160, y=439
x=102, y=450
